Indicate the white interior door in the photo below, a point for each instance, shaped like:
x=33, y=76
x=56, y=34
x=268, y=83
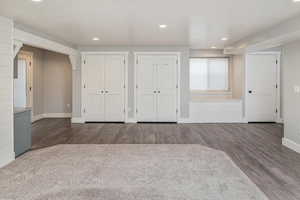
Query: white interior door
x=115, y=88
x=167, y=88
x=261, y=88
x=93, y=88
x=146, y=89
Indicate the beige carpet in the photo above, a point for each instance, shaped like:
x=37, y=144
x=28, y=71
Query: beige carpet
x=126, y=172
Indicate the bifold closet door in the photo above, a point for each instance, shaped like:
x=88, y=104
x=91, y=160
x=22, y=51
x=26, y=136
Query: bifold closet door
x=93, y=91
x=146, y=89
x=156, y=77
x=103, y=88
x=114, y=88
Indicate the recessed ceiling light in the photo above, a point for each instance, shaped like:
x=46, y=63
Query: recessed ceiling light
x=213, y=47
x=224, y=38
x=162, y=26
x=37, y=0
x=95, y=38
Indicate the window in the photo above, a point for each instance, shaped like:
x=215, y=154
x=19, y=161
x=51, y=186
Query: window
x=209, y=74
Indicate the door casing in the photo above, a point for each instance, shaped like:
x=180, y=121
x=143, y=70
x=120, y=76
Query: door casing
x=278, y=80
x=125, y=54
x=28, y=57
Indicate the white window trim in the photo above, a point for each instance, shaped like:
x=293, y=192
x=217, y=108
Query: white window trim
x=216, y=92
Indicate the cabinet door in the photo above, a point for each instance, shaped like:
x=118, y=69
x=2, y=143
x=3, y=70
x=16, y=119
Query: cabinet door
x=167, y=88
x=146, y=89
x=93, y=88
x=114, y=88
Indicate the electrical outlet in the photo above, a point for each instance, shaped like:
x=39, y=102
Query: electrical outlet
x=297, y=89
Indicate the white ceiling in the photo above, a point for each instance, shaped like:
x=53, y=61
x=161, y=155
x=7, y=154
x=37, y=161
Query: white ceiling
x=198, y=23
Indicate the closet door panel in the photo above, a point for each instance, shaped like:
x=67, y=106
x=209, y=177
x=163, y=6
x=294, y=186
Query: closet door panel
x=167, y=88
x=146, y=91
x=93, y=71
x=114, y=88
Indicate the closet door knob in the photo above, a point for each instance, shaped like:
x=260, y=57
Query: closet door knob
x=158, y=91
x=154, y=91
x=106, y=91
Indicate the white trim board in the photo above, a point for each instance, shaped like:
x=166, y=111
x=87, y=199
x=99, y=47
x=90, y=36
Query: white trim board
x=77, y=120
x=51, y=115
x=291, y=144
x=178, y=54
x=37, y=41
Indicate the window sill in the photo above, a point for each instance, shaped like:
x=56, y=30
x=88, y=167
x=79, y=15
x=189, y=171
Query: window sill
x=200, y=92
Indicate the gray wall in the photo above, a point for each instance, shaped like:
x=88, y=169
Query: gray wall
x=57, y=83
x=52, y=82
x=185, y=94
x=291, y=100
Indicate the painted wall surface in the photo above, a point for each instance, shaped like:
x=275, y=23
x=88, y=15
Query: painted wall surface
x=57, y=83
x=291, y=99
x=6, y=92
x=238, y=77
x=52, y=82
x=185, y=92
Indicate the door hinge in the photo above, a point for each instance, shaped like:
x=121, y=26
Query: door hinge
x=84, y=110
x=124, y=86
x=124, y=62
x=136, y=110
x=276, y=86
x=29, y=63
x=276, y=62
x=276, y=110
x=124, y=111
x=136, y=86
x=84, y=62
x=176, y=110
x=177, y=86
x=177, y=62
x=84, y=86
x=137, y=61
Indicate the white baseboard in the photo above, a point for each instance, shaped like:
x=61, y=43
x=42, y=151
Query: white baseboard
x=291, y=144
x=6, y=156
x=281, y=121
x=57, y=115
x=37, y=117
x=51, y=115
x=77, y=120
x=193, y=121
x=131, y=120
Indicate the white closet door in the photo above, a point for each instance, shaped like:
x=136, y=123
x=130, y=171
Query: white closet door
x=93, y=75
x=166, y=87
x=114, y=88
x=146, y=90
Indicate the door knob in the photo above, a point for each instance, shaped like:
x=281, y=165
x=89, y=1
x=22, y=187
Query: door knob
x=106, y=91
x=154, y=91
x=158, y=91
x=250, y=91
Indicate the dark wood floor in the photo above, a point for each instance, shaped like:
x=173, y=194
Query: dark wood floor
x=255, y=148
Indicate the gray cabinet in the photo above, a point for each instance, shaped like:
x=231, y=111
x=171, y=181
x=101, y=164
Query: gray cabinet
x=22, y=131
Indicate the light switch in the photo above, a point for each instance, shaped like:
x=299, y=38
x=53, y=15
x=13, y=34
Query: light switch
x=297, y=89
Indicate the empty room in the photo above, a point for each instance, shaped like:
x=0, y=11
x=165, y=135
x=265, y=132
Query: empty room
x=150, y=100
